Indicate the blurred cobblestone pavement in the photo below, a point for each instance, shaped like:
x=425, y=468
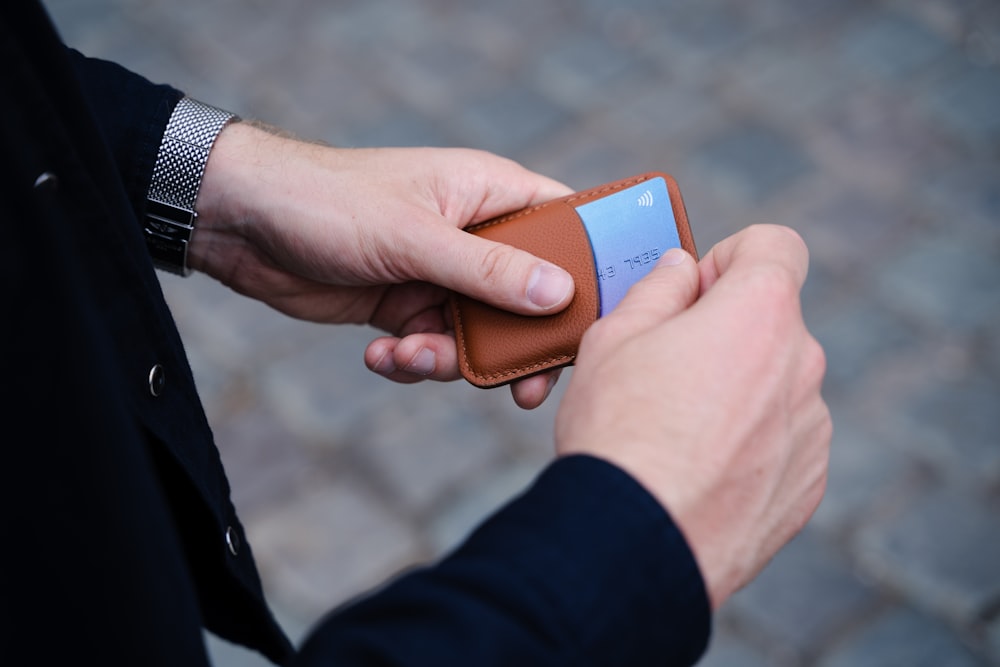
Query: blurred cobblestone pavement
x=871, y=127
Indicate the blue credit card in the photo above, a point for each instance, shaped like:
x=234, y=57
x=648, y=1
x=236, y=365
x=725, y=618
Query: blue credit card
x=628, y=230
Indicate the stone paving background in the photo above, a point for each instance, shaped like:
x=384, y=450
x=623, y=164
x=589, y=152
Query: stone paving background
x=871, y=127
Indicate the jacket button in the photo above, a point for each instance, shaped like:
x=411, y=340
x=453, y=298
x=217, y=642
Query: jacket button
x=157, y=380
x=47, y=182
x=233, y=541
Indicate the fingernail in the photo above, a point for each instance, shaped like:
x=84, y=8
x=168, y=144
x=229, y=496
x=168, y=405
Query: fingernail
x=673, y=257
x=548, y=286
x=385, y=365
x=422, y=362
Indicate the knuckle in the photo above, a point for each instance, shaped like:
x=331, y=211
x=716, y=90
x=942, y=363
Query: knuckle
x=495, y=264
x=816, y=360
x=782, y=232
x=773, y=285
x=814, y=364
x=781, y=247
x=827, y=430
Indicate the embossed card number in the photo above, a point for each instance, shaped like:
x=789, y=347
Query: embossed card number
x=628, y=231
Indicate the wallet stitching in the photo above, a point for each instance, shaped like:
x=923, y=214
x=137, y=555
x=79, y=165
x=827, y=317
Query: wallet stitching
x=538, y=365
x=580, y=195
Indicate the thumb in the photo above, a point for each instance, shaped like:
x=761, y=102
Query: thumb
x=498, y=274
x=669, y=289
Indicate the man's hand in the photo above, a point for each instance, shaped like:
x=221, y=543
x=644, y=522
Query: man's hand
x=373, y=236
x=704, y=385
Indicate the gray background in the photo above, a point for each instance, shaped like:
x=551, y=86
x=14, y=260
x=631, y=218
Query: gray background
x=871, y=127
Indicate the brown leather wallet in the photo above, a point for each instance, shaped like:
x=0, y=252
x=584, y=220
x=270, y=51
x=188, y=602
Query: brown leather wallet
x=496, y=347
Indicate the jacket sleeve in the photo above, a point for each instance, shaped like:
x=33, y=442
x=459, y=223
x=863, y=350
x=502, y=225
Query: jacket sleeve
x=132, y=114
x=585, y=568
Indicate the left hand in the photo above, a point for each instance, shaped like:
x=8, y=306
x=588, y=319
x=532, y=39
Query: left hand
x=373, y=236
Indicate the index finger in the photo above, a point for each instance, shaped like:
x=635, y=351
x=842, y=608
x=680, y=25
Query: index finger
x=776, y=246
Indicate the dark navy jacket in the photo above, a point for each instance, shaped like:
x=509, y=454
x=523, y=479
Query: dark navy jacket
x=119, y=541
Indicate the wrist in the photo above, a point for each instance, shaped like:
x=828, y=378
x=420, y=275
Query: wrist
x=226, y=198
x=259, y=183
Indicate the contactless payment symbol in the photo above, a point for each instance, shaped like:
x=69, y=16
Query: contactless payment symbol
x=628, y=230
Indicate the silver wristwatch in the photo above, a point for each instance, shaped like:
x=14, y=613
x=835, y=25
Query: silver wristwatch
x=180, y=165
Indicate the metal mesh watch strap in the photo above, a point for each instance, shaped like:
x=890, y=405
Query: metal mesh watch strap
x=180, y=165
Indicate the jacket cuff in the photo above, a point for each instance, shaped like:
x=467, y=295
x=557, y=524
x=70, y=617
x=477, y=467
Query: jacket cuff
x=614, y=564
x=585, y=568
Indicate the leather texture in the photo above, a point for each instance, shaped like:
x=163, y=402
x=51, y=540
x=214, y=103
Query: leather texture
x=495, y=346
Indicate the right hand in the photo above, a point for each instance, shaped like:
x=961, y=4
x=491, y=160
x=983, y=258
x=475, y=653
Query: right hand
x=704, y=385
